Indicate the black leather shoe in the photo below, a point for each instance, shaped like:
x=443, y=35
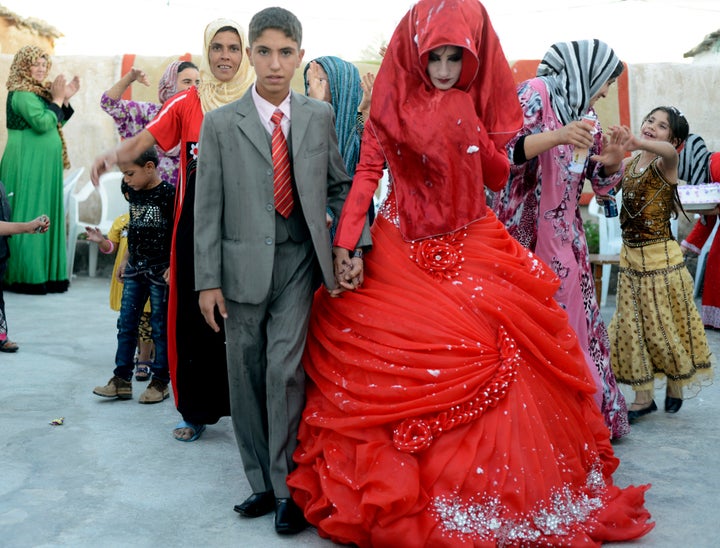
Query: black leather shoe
x=289, y=519
x=672, y=405
x=256, y=505
x=635, y=415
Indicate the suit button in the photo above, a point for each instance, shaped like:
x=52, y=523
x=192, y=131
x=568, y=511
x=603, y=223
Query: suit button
x=269, y=207
x=268, y=241
x=269, y=172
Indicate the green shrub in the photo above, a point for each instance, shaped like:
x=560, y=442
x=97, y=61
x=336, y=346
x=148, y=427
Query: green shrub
x=592, y=236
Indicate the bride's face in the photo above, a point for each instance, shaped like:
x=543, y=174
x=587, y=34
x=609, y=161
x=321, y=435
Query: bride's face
x=444, y=66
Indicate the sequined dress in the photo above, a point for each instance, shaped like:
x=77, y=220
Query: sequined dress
x=449, y=404
x=656, y=331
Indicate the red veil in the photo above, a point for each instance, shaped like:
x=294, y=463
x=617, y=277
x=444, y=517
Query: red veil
x=442, y=147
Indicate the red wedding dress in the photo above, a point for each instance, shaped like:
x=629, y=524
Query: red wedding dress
x=448, y=404
x=448, y=400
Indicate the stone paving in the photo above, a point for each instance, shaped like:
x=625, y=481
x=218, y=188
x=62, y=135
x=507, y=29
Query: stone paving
x=112, y=475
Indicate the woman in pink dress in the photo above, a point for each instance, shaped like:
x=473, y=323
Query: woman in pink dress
x=539, y=205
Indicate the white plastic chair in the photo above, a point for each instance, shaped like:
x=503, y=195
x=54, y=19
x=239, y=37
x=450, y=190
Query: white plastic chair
x=702, y=257
x=75, y=226
x=610, y=236
x=69, y=181
x=112, y=205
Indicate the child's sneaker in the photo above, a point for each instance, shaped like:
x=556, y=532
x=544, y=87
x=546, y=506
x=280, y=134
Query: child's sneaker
x=156, y=392
x=115, y=388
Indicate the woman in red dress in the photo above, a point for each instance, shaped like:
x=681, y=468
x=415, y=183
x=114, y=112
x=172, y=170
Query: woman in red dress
x=196, y=354
x=448, y=401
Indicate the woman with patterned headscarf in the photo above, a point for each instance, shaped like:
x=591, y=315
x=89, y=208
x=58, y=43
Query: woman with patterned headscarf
x=131, y=117
x=32, y=170
x=448, y=402
x=338, y=82
x=540, y=203
x=198, y=366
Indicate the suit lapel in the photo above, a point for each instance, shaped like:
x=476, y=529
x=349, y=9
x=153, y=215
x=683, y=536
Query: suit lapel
x=250, y=124
x=299, y=122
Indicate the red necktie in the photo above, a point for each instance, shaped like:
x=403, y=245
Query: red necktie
x=281, y=168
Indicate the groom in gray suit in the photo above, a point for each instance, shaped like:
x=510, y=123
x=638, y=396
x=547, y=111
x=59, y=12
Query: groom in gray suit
x=258, y=261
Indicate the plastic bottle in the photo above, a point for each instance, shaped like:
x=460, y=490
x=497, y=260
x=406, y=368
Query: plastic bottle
x=579, y=155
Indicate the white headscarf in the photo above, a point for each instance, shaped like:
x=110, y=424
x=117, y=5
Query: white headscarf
x=214, y=93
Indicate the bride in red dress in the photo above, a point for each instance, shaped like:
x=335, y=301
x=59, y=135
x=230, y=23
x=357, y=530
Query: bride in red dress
x=448, y=402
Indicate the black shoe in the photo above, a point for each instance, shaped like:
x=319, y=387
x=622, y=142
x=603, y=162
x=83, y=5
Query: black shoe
x=672, y=405
x=256, y=505
x=289, y=519
x=635, y=415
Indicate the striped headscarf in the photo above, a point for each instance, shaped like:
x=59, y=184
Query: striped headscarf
x=694, y=161
x=167, y=86
x=20, y=79
x=574, y=72
x=214, y=93
x=345, y=96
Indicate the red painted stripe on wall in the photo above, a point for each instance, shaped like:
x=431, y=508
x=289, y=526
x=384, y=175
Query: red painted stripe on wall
x=623, y=85
x=128, y=61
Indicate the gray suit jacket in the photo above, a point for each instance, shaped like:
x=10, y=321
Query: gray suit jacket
x=234, y=204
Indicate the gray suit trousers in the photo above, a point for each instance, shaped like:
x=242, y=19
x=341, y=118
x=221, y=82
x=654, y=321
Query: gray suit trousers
x=265, y=343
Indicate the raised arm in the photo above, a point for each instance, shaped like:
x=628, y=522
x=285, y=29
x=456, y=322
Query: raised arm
x=126, y=151
x=134, y=75
x=668, y=162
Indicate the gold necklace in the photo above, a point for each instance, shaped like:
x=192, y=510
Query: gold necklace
x=636, y=171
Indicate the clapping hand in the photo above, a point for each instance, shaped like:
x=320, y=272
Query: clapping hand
x=368, y=80
x=71, y=88
x=317, y=83
x=58, y=89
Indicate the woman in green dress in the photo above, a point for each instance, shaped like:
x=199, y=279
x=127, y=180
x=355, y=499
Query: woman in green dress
x=32, y=170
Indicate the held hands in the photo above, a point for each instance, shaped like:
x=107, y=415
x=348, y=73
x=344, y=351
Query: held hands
x=348, y=271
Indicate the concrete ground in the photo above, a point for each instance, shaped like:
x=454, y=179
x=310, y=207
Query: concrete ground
x=112, y=475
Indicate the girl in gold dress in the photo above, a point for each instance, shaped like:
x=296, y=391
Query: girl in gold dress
x=656, y=330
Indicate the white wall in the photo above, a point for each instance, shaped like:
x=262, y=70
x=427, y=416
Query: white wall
x=693, y=88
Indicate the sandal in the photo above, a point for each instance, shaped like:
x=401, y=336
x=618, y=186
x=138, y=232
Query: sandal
x=142, y=373
x=197, y=430
x=8, y=346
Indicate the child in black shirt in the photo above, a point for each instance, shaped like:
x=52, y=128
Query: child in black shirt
x=143, y=272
